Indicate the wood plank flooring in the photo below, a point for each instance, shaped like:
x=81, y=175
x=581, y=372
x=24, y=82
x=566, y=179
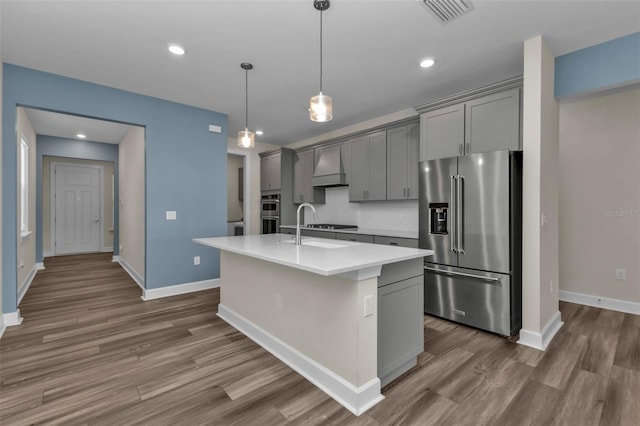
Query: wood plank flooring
x=90, y=351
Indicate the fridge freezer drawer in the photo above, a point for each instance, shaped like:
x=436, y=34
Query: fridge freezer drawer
x=479, y=299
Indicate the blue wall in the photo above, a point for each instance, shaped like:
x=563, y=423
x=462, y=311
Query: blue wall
x=185, y=171
x=607, y=65
x=71, y=148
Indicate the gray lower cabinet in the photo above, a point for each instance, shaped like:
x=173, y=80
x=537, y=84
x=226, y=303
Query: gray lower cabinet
x=287, y=231
x=303, y=190
x=395, y=241
x=400, y=318
x=354, y=237
x=368, y=171
x=402, y=162
x=317, y=234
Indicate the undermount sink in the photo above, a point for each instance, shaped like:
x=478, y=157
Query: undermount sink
x=320, y=244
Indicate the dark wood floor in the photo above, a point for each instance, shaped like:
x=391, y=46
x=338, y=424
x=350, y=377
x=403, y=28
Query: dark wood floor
x=90, y=351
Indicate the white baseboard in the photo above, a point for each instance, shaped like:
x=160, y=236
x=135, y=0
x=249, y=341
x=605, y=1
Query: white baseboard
x=540, y=340
x=132, y=272
x=40, y=266
x=107, y=249
x=174, y=290
x=355, y=399
x=9, y=319
x=47, y=254
x=27, y=282
x=601, y=302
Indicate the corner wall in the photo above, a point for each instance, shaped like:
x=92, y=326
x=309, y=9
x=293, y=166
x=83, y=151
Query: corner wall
x=26, y=243
x=600, y=195
x=131, y=203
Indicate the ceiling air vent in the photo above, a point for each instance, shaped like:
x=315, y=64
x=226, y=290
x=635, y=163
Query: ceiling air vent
x=448, y=10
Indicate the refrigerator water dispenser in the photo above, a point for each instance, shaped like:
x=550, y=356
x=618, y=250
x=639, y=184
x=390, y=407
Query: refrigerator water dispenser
x=438, y=218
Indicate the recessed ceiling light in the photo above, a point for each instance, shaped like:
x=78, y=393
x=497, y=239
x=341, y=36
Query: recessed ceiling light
x=81, y=135
x=259, y=132
x=176, y=49
x=427, y=63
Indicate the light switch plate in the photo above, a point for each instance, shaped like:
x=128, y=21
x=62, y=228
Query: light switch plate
x=170, y=215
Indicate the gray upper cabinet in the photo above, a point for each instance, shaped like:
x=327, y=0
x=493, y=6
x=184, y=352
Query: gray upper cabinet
x=270, y=172
x=368, y=171
x=442, y=133
x=303, y=190
x=492, y=123
x=485, y=124
x=402, y=162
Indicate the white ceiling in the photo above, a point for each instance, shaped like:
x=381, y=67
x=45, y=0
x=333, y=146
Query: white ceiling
x=372, y=50
x=68, y=126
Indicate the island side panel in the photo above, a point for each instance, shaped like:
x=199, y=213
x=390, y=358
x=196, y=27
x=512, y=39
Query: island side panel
x=319, y=316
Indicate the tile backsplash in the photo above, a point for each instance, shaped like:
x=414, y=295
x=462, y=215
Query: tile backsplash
x=384, y=215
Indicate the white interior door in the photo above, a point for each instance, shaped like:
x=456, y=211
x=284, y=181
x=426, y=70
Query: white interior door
x=77, y=209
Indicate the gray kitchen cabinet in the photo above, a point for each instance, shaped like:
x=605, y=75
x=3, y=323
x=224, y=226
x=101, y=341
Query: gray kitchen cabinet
x=400, y=318
x=368, y=171
x=354, y=237
x=402, y=162
x=270, y=172
x=492, y=122
x=484, y=124
x=396, y=241
x=303, y=190
x=442, y=133
x=287, y=231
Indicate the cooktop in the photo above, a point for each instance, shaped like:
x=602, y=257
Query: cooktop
x=330, y=226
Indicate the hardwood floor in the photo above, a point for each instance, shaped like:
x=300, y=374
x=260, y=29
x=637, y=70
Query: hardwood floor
x=90, y=351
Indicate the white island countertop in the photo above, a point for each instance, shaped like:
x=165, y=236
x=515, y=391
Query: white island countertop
x=338, y=257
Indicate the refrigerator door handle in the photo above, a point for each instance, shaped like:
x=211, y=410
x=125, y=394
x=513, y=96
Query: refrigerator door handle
x=460, y=214
x=461, y=274
x=452, y=204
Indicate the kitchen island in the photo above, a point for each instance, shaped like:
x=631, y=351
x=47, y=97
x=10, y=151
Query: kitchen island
x=316, y=307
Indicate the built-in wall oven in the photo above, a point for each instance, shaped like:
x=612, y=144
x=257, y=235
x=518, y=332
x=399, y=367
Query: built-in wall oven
x=270, y=214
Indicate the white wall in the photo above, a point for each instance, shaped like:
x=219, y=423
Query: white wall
x=131, y=168
x=234, y=205
x=107, y=200
x=26, y=244
x=392, y=215
x=252, y=184
x=600, y=195
x=540, y=193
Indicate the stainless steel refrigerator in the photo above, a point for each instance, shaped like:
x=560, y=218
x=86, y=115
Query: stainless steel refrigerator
x=471, y=216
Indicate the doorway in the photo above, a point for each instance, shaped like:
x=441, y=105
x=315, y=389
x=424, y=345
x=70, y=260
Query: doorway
x=77, y=210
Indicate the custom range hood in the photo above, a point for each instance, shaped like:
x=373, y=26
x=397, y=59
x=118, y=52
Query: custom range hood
x=329, y=170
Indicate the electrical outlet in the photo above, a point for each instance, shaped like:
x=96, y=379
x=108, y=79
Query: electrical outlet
x=278, y=302
x=368, y=306
x=196, y=260
x=543, y=220
x=551, y=287
x=621, y=274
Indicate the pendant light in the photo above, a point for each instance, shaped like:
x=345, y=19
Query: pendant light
x=246, y=139
x=321, y=105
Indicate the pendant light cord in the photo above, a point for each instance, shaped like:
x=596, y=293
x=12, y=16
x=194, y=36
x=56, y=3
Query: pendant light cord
x=321, y=51
x=246, y=99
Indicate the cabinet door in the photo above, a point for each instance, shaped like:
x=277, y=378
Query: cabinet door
x=264, y=173
x=442, y=133
x=345, y=152
x=354, y=237
x=301, y=176
x=492, y=123
x=377, y=166
x=397, y=154
x=270, y=177
x=359, y=180
x=413, y=152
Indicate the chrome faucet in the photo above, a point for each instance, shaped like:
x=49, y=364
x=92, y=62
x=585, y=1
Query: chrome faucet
x=315, y=215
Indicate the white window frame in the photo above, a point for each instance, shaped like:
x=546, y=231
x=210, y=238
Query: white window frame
x=24, y=187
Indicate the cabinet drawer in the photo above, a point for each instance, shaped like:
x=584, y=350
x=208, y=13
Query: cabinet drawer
x=287, y=231
x=355, y=237
x=393, y=241
x=317, y=234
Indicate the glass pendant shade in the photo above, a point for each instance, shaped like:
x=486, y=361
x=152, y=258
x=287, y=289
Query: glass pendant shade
x=321, y=108
x=246, y=139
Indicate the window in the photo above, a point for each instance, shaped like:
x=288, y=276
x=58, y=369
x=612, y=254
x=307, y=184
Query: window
x=24, y=186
